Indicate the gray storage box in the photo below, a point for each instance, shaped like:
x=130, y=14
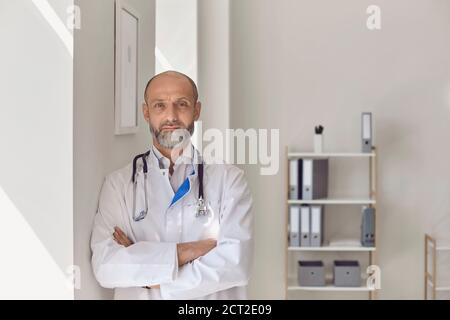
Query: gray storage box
x=347, y=273
x=311, y=273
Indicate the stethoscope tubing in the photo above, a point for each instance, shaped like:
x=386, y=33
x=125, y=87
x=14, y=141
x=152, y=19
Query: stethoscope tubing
x=143, y=156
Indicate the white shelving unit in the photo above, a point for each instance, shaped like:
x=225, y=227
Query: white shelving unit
x=431, y=252
x=333, y=201
x=298, y=155
x=330, y=287
x=291, y=283
x=293, y=286
x=331, y=248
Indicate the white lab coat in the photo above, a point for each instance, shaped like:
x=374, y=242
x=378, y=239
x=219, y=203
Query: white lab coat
x=222, y=273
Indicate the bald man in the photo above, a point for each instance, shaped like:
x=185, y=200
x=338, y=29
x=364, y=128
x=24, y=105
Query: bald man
x=168, y=225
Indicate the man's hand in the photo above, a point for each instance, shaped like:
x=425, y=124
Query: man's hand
x=189, y=251
x=121, y=238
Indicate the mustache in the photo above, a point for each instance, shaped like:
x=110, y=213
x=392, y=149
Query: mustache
x=171, y=124
x=172, y=139
x=156, y=132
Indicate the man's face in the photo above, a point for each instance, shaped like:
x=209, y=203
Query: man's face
x=171, y=110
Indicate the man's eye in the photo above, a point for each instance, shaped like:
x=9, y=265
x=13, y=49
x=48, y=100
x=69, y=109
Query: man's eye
x=183, y=104
x=159, y=105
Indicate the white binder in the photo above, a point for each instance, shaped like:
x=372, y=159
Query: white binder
x=315, y=179
x=305, y=226
x=366, y=131
x=316, y=226
x=307, y=179
x=294, y=226
x=293, y=179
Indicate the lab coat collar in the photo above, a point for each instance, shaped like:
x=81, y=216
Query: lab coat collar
x=189, y=155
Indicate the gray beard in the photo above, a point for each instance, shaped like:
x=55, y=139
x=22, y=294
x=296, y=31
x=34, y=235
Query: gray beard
x=173, y=139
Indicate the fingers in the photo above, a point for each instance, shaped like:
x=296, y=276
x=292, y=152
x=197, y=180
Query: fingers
x=121, y=238
x=121, y=235
x=117, y=238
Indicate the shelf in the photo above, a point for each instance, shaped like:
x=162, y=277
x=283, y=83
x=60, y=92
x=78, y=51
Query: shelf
x=438, y=288
x=334, y=201
x=298, y=155
x=330, y=288
x=293, y=286
x=440, y=248
x=331, y=248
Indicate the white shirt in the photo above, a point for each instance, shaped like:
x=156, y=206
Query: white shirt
x=182, y=167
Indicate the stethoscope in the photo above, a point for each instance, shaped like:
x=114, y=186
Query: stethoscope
x=201, y=210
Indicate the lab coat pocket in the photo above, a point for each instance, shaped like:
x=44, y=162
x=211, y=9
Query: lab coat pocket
x=205, y=226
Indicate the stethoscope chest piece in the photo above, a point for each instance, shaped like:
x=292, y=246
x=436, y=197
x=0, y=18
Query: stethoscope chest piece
x=202, y=209
x=141, y=216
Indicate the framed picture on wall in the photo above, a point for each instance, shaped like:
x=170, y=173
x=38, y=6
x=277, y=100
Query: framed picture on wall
x=126, y=104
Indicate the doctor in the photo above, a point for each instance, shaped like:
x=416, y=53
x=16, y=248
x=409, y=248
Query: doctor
x=150, y=240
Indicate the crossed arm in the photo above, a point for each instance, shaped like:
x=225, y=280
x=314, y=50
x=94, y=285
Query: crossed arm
x=119, y=263
x=186, y=251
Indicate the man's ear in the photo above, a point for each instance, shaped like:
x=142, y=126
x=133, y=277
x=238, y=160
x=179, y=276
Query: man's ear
x=146, y=112
x=197, y=110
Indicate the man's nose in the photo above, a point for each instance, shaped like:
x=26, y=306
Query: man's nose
x=172, y=114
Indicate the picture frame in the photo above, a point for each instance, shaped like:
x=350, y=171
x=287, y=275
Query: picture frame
x=127, y=33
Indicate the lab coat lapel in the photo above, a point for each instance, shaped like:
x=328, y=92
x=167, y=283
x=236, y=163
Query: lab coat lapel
x=187, y=186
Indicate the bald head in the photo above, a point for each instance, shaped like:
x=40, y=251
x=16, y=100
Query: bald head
x=175, y=76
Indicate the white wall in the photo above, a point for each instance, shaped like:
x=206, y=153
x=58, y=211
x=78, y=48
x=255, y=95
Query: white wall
x=214, y=62
x=176, y=36
x=97, y=151
x=298, y=63
x=36, y=151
